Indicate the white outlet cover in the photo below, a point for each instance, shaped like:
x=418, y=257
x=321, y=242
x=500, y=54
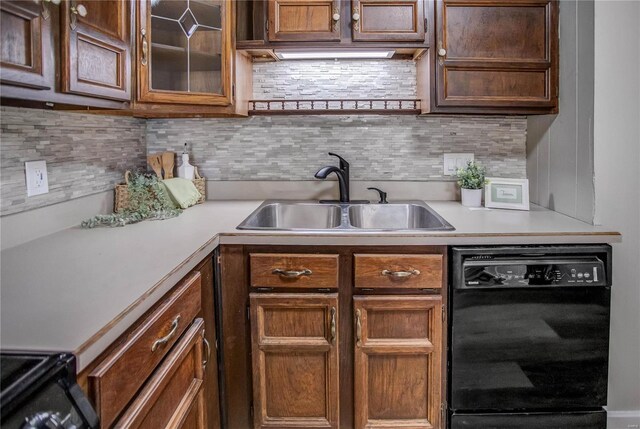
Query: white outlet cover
x=453, y=161
x=37, y=179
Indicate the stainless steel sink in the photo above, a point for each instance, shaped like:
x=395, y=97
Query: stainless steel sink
x=292, y=216
x=404, y=216
x=311, y=216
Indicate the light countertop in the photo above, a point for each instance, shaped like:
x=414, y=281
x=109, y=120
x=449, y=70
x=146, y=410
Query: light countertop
x=78, y=290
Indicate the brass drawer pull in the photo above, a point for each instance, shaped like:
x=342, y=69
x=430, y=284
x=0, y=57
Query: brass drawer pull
x=358, y=328
x=164, y=340
x=333, y=325
x=400, y=274
x=75, y=11
x=292, y=274
x=208, y=353
x=145, y=47
x=356, y=19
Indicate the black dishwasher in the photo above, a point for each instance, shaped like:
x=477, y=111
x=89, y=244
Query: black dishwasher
x=529, y=336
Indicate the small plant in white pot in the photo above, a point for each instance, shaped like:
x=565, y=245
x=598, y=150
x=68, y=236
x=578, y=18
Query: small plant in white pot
x=471, y=179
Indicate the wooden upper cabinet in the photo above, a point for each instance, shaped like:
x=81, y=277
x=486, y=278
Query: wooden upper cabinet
x=95, y=52
x=303, y=20
x=294, y=341
x=388, y=20
x=184, y=52
x=497, y=54
x=27, y=54
x=398, y=361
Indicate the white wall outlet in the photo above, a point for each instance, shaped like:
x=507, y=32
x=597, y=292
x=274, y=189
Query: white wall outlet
x=453, y=161
x=37, y=180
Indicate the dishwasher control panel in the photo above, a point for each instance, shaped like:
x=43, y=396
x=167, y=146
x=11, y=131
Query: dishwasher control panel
x=517, y=272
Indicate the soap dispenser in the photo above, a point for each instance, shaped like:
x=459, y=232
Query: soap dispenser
x=186, y=170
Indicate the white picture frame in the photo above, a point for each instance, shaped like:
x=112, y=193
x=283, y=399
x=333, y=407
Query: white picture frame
x=502, y=193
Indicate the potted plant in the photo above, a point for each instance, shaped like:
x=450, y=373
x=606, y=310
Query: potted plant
x=471, y=179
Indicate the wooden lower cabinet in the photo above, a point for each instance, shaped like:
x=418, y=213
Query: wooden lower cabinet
x=367, y=353
x=174, y=396
x=294, y=341
x=398, y=358
x=163, y=371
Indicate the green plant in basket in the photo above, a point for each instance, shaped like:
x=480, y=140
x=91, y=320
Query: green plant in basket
x=148, y=199
x=472, y=176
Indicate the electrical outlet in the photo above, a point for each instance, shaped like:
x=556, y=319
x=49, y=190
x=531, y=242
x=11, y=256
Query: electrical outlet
x=37, y=180
x=453, y=161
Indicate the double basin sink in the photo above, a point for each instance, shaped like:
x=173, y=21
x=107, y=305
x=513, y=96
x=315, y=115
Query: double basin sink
x=313, y=216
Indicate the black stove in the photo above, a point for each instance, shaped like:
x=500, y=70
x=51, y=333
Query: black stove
x=39, y=391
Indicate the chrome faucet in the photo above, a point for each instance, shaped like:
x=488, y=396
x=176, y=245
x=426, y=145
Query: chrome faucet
x=343, y=176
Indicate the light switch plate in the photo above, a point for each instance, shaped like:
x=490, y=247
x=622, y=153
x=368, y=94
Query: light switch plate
x=453, y=161
x=37, y=180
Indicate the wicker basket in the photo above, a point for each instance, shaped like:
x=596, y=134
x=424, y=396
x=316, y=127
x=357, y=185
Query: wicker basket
x=121, y=201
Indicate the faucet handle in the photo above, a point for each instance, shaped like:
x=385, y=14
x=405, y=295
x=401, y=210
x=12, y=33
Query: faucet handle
x=344, y=165
x=382, y=194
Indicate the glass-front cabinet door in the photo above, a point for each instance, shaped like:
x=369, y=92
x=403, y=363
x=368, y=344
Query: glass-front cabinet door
x=184, y=51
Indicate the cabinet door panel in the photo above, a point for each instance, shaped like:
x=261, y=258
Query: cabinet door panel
x=398, y=361
x=496, y=32
x=95, y=51
x=497, y=54
x=25, y=59
x=174, y=396
x=295, y=360
x=304, y=20
x=388, y=20
x=184, y=52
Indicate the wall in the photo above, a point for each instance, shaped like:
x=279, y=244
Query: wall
x=334, y=79
x=86, y=154
x=379, y=147
x=560, y=147
x=617, y=187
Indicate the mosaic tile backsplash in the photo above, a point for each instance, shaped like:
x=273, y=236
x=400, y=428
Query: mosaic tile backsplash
x=85, y=154
x=378, y=147
x=334, y=79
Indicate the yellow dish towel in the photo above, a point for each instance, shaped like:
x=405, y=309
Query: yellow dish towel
x=182, y=191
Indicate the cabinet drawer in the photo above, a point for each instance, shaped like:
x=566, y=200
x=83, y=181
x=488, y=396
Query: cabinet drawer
x=116, y=380
x=398, y=271
x=173, y=397
x=294, y=270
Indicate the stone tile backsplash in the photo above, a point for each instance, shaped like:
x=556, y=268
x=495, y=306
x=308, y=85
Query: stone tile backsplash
x=85, y=154
x=378, y=147
x=334, y=79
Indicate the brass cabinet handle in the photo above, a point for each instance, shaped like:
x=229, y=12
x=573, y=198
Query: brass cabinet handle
x=164, y=340
x=356, y=19
x=45, y=10
x=336, y=18
x=292, y=274
x=358, y=328
x=145, y=47
x=442, y=53
x=400, y=274
x=333, y=325
x=208, y=353
x=76, y=10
